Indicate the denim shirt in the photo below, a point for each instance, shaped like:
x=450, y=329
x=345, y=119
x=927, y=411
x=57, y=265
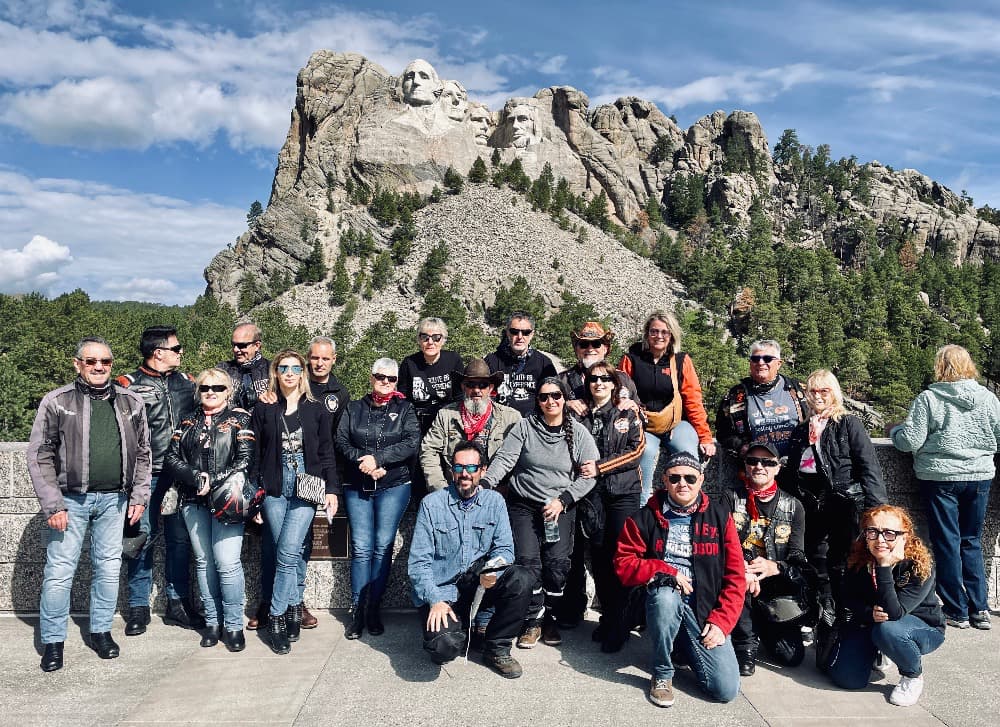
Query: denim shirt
x=446, y=540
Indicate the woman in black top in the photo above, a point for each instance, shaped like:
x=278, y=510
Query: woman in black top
x=378, y=438
x=293, y=436
x=425, y=376
x=889, y=605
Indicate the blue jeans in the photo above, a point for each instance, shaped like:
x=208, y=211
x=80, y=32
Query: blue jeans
x=671, y=621
x=268, y=545
x=682, y=438
x=288, y=519
x=176, y=558
x=956, y=512
x=904, y=641
x=374, y=519
x=217, y=548
x=105, y=512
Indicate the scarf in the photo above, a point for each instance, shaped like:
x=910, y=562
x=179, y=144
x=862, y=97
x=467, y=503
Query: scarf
x=766, y=388
x=472, y=425
x=680, y=509
x=94, y=392
x=381, y=399
x=764, y=494
x=817, y=423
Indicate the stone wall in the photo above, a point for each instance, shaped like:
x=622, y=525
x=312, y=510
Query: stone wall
x=22, y=553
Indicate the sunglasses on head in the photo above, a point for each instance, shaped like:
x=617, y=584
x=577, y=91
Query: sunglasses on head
x=674, y=478
x=766, y=359
x=425, y=337
x=460, y=468
x=91, y=362
x=385, y=377
x=243, y=344
x=754, y=461
x=595, y=378
x=889, y=535
x=176, y=349
x=544, y=396
x=286, y=368
x=217, y=388
x=589, y=344
x=476, y=384
x=520, y=332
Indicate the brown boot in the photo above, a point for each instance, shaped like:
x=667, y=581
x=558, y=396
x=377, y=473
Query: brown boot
x=259, y=620
x=308, y=620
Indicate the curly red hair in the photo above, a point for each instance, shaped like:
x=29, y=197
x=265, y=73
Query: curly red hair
x=914, y=549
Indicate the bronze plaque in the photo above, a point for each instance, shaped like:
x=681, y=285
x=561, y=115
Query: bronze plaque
x=330, y=541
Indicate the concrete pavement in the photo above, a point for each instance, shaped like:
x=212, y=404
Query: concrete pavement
x=164, y=678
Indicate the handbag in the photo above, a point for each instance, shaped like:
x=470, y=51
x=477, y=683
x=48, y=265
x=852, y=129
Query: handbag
x=171, y=501
x=663, y=421
x=309, y=488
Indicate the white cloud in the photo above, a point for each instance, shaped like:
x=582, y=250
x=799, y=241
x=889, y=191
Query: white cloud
x=552, y=65
x=125, y=244
x=34, y=267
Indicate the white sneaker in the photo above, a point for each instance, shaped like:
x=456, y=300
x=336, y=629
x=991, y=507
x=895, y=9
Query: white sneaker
x=907, y=692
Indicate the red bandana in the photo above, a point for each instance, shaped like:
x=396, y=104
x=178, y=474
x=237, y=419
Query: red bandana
x=753, y=495
x=472, y=425
x=381, y=399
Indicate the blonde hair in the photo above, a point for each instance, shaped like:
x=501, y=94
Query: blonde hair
x=953, y=363
x=914, y=549
x=819, y=379
x=213, y=376
x=667, y=318
x=305, y=391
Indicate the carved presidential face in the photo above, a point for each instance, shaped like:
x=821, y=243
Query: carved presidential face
x=482, y=122
x=522, y=125
x=420, y=83
x=454, y=100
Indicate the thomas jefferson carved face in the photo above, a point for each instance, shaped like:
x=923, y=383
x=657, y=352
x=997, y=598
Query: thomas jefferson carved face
x=454, y=100
x=420, y=83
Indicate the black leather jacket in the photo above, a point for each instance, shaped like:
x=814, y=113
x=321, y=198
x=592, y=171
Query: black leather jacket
x=257, y=370
x=169, y=398
x=390, y=433
x=620, y=440
x=227, y=445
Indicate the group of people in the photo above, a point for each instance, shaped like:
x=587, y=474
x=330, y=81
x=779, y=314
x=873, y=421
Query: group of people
x=522, y=473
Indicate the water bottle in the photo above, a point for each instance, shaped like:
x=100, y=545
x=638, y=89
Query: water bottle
x=552, y=531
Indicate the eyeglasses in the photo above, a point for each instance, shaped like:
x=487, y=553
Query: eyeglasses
x=754, y=461
x=597, y=378
x=821, y=392
x=243, y=344
x=91, y=362
x=766, y=359
x=176, y=349
x=658, y=333
x=217, y=388
x=520, y=332
x=385, y=377
x=460, y=468
x=674, y=478
x=888, y=535
x=425, y=337
x=292, y=368
x=476, y=384
x=589, y=344
x=544, y=396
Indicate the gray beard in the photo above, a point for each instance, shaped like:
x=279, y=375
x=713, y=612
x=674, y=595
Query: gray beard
x=476, y=407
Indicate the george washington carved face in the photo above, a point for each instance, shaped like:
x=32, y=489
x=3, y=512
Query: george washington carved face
x=421, y=84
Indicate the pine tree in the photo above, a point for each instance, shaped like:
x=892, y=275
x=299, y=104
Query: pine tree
x=430, y=272
x=256, y=210
x=340, y=286
x=478, y=173
x=495, y=158
x=382, y=271
x=313, y=268
x=453, y=181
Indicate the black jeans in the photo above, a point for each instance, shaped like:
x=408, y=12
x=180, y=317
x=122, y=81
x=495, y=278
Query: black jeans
x=509, y=597
x=754, y=628
x=548, y=562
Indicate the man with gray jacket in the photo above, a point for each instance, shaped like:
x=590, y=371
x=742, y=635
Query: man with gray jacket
x=89, y=461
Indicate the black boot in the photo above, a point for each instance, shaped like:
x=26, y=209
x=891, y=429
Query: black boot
x=747, y=659
x=234, y=640
x=137, y=621
x=373, y=619
x=52, y=657
x=357, y=625
x=277, y=635
x=210, y=636
x=195, y=613
x=179, y=613
x=293, y=621
x=104, y=645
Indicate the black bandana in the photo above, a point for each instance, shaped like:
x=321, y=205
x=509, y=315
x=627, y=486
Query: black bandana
x=95, y=392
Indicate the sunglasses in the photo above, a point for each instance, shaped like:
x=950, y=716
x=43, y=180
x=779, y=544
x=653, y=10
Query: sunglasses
x=889, y=535
x=520, y=332
x=766, y=359
x=176, y=349
x=821, y=392
x=476, y=384
x=596, y=378
x=658, y=333
x=460, y=468
x=674, y=478
x=385, y=377
x=544, y=396
x=217, y=388
x=243, y=344
x=91, y=362
x=589, y=344
x=286, y=368
x=425, y=337
x=754, y=461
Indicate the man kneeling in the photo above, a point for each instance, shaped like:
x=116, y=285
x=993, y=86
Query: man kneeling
x=461, y=543
x=683, y=549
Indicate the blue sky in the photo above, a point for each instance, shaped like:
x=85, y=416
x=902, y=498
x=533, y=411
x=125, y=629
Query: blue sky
x=135, y=135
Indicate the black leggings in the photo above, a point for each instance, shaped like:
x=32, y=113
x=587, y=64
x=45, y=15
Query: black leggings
x=548, y=562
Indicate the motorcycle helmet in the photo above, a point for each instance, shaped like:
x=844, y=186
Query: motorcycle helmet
x=234, y=499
